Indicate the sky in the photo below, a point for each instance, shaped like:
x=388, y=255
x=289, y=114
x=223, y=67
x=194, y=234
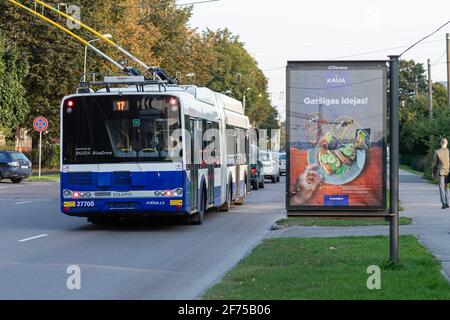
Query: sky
x=277, y=31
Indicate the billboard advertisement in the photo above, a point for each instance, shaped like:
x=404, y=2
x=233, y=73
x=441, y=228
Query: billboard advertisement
x=336, y=134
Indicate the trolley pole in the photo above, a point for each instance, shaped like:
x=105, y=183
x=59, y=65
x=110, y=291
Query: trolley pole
x=430, y=91
x=394, y=159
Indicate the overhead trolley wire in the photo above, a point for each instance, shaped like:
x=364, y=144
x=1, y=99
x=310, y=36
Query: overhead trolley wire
x=96, y=33
x=70, y=33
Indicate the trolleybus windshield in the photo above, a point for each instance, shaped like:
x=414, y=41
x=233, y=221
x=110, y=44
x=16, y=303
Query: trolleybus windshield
x=116, y=129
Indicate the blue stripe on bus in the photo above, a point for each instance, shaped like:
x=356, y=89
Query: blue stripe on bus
x=123, y=181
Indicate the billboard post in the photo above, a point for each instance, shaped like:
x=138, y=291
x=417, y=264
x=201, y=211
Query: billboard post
x=394, y=159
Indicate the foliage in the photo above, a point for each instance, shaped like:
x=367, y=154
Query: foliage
x=156, y=31
x=419, y=135
x=13, y=106
x=271, y=121
x=235, y=71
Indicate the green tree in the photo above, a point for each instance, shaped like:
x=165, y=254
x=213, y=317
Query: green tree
x=272, y=120
x=237, y=72
x=440, y=98
x=156, y=31
x=13, y=105
x=412, y=80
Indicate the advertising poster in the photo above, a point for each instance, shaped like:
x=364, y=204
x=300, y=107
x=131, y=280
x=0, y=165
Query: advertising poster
x=336, y=125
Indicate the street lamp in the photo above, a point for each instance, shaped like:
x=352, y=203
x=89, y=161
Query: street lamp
x=108, y=36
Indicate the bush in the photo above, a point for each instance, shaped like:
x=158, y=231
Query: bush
x=50, y=156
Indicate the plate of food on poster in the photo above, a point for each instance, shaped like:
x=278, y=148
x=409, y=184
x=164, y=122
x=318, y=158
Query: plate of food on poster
x=340, y=161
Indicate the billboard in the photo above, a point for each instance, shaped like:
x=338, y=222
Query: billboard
x=336, y=135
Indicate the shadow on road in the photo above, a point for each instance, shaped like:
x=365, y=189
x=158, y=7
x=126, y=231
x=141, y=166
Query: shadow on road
x=153, y=223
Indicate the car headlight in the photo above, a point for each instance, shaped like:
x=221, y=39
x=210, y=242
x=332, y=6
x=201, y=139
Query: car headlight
x=14, y=164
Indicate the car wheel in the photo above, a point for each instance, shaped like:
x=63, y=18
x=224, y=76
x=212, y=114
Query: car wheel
x=255, y=185
x=273, y=179
x=262, y=184
x=16, y=180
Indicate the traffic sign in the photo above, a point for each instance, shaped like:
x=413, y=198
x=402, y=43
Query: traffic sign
x=40, y=124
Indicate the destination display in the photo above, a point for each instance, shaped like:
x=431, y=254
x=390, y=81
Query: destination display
x=336, y=122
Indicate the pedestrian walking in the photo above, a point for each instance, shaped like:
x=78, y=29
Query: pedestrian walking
x=441, y=168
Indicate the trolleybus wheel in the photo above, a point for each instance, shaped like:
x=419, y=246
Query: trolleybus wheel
x=198, y=218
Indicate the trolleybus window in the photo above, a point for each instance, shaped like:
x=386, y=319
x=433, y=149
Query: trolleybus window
x=96, y=130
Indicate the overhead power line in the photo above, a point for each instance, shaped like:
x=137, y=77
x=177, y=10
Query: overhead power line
x=196, y=2
x=424, y=38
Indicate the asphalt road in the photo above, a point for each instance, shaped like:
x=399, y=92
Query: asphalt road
x=159, y=260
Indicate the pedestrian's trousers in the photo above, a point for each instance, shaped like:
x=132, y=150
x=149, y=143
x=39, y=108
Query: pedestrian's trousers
x=443, y=188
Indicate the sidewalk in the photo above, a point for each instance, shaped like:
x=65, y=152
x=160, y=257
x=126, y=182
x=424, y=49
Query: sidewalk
x=420, y=200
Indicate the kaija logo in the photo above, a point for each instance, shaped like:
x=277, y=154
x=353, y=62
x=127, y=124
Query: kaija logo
x=336, y=80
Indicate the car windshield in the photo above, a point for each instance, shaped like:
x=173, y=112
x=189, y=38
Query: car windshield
x=115, y=129
x=265, y=157
x=18, y=156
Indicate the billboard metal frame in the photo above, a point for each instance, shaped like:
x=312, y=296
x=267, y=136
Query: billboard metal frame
x=333, y=211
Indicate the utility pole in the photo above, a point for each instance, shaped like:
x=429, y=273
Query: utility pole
x=394, y=159
x=430, y=91
x=448, y=68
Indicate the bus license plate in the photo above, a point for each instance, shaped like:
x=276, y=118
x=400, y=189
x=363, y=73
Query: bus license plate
x=85, y=204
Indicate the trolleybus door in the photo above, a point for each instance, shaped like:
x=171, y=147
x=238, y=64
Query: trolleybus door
x=194, y=166
x=207, y=139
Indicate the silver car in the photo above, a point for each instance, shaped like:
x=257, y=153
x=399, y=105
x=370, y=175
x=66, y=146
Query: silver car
x=271, y=165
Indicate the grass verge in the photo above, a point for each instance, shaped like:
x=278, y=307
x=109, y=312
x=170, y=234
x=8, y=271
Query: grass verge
x=332, y=269
x=338, y=222
x=410, y=170
x=46, y=178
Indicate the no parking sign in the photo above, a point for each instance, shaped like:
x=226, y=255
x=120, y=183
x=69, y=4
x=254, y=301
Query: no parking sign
x=40, y=124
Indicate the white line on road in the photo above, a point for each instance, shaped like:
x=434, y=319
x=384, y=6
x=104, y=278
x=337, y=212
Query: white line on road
x=33, y=238
x=24, y=202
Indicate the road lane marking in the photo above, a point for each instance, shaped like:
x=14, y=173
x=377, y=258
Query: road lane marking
x=24, y=202
x=34, y=238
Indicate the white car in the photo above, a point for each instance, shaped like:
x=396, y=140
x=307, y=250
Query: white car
x=283, y=163
x=271, y=165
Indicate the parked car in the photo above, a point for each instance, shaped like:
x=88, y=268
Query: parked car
x=15, y=166
x=256, y=168
x=271, y=165
x=283, y=163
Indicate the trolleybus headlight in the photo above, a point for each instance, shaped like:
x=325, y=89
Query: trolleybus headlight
x=179, y=192
x=67, y=193
x=157, y=193
x=76, y=194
